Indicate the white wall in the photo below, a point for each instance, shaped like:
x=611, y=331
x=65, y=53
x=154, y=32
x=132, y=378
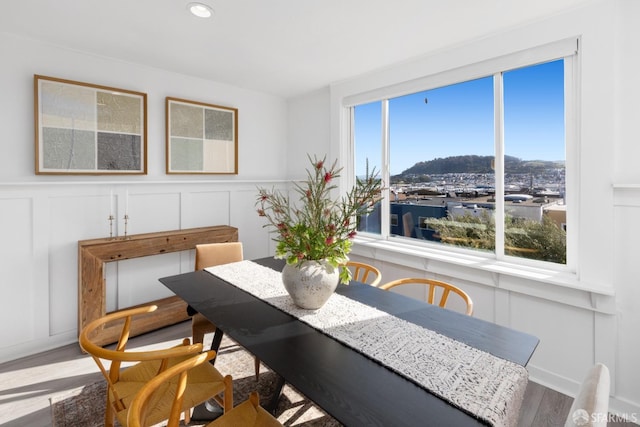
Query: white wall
x=578, y=321
x=311, y=108
x=42, y=217
x=262, y=117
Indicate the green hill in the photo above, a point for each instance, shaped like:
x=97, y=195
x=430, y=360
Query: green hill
x=477, y=164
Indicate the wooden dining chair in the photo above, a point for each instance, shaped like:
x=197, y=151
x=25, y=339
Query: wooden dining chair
x=209, y=255
x=173, y=382
x=444, y=290
x=202, y=384
x=364, y=273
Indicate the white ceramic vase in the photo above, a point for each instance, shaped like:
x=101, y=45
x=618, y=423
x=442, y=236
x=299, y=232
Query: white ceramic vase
x=310, y=283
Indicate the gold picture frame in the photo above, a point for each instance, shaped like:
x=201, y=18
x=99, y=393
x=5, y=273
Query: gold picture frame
x=201, y=138
x=88, y=129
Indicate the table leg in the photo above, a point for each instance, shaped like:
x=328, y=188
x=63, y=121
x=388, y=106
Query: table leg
x=273, y=403
x=207, y=411
x=210, y=410
x=215, y=344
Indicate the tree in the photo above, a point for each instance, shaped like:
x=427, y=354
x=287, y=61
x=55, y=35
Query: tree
x=524, y=238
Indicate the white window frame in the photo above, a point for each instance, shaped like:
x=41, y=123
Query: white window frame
x=565, y=49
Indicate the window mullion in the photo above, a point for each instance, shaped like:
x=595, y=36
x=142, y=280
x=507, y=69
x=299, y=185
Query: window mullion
x=498, y=102
x=572, y=129
x=385, y=171
x=525, y=93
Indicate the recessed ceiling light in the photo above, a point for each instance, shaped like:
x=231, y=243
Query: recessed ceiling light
x=200, y=10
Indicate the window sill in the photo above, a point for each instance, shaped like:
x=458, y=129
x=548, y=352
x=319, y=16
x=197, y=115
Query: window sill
x=539, y=282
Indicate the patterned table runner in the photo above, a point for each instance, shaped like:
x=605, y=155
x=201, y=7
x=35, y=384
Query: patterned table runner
x=485, y=386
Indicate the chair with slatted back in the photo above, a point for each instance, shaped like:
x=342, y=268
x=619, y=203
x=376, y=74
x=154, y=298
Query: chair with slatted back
x=364, y=273
x=445, y=290
x=202, y=384
x=209, y=255
x=173, y=381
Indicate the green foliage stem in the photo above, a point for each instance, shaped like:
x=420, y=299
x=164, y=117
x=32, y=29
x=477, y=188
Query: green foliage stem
x=318, y=226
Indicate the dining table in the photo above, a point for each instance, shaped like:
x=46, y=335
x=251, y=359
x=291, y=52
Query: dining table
x=349, y=384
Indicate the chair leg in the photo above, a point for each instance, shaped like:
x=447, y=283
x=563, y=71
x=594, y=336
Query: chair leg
x=254, y=398
x=256, y=364
x=228, y=393
x=198, y=336
x=109, y=416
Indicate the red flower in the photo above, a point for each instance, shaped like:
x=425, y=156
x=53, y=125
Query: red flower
x=329, y=240
x=319, y=164
x=327, y=177
x=261, y=212
x=352, y=234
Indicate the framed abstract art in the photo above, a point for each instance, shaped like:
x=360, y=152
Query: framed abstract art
x=201, y=138
x=82, y=128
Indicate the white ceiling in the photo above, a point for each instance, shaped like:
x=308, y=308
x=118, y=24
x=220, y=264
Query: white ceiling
x=283, y=47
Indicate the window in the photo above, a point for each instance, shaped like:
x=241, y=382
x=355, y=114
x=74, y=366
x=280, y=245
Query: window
x=477, y=163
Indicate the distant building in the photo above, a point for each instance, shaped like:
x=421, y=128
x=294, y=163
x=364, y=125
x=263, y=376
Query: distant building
x=409, y=213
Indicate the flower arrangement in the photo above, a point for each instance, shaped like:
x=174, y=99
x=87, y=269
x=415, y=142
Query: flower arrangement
x=319, y=226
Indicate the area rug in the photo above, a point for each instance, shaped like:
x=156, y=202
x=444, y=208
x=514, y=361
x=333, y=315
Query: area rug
x=84, y=407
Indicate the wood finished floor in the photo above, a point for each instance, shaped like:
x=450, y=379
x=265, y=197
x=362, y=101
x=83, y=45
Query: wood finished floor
x=27, y=384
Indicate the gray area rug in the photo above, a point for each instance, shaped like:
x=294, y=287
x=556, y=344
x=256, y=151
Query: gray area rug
x=84, y=407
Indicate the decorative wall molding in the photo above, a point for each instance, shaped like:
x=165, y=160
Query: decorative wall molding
x=552, y=286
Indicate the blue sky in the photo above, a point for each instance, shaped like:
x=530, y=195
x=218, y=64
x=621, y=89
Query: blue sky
x=458, y=120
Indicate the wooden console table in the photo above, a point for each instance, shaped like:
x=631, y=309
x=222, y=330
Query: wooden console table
x=93, y=254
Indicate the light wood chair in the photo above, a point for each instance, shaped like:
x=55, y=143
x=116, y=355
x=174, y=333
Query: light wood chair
x=173, y=382
x=445, y=288
x=202, y=383
x=591, y=405
x=364, y=273
x=209, y=255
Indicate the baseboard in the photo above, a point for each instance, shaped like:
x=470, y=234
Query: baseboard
x=30, y=348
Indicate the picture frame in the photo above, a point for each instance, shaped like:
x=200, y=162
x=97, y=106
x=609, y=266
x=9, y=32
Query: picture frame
x=201, y=138
x=87, y=129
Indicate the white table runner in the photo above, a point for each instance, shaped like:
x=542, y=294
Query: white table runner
x=488, y=387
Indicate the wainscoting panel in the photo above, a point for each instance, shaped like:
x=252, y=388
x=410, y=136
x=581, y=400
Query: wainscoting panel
x=627, y=274
x=72, y=215
x=42, y=224
x=16, y=270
